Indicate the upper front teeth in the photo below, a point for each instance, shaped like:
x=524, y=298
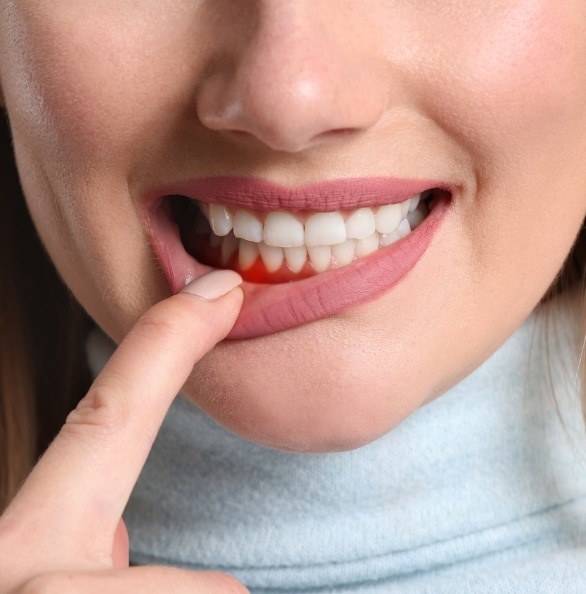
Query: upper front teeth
x=287, y=230
x=282, y=229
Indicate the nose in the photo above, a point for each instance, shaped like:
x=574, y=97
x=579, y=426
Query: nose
x=296, y=80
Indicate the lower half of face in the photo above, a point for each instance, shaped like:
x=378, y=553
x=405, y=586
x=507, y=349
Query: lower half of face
x=507, y=138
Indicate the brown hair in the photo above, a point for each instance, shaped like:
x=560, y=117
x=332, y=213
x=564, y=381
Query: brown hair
x=43, y=370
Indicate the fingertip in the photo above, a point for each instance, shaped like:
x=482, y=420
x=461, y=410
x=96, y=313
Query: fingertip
x=213, y=285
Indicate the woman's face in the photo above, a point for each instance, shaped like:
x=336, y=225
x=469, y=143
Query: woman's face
x=109, y=102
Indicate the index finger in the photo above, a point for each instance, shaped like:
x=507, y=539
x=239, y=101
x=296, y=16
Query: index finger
x=82, y=483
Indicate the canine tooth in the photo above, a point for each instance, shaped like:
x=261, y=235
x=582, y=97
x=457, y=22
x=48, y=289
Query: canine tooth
x=388, y=218
x=229, y=246
x=220, y=219
x=367, y=246
x=415, y=217
x=325, y=229
x=296, y=257
x=414, y=202
x=283, y=229
x=247, y=226
x=320, y=256
x=247, y=254
x=360, y=224
x=405, y=207
x=343, y=253
x=404, y=229
x=272, y=256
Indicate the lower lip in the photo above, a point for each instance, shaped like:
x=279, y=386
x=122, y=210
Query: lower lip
x=270, y=308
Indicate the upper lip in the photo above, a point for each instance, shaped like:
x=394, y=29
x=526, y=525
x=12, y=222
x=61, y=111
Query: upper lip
x=260, y=194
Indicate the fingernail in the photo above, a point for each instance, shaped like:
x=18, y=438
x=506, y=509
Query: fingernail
x=214, y=284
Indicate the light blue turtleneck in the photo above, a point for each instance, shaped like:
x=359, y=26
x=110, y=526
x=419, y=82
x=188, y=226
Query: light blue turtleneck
x=482, y=490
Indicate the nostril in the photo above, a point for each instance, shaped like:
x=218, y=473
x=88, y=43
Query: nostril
x=337, y=133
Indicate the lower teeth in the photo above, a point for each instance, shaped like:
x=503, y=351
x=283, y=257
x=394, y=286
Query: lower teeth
x=285, y=264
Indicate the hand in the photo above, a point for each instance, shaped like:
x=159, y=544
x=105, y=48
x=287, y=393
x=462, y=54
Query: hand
x=63, y=531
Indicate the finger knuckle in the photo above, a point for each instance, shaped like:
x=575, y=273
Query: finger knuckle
x=99, y=411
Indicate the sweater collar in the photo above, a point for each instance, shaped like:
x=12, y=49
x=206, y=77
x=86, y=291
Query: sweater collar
x=486, y=470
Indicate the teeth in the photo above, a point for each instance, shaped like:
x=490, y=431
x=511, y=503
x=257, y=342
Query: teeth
x=343, y=253
x=272, y=256
x=229, y=246
x=247, y=226
x=284, y=230
x=388, y=238
x=404, y=228
x=220, y=219
x=415, y=217
x=367, y=246
x=388, y=218
x=326, y=239
x=325, y=228
x=360, y=224
x=320, y=256
x=247, y=254
x=296, y=257
x=414, y=202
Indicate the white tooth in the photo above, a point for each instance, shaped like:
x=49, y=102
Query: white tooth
x=320, y=256
x=343, y=253
x=415, y=217
x=360, y=224
x=388, y=238
x=215, y=241
x=247, y=226
x=272, y=256
x=388, y=218
x=220, y=219
x=283, y=229
x=247, y=254
x=325, y=228
x=367, y=246
x=296, y=257
x=405, y=207
x=404, y=229
x=414, y=202
x=229, y=246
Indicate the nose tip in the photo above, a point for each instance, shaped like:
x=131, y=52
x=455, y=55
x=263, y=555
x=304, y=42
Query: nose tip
x=291, y=116
x=291, y=94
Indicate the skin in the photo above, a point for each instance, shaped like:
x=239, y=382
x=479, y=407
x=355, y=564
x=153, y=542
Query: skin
x=63, y=531
x=106, y=102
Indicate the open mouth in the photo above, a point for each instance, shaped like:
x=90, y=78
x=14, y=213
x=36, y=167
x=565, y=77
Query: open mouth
x=280, y=246
x=298, y=263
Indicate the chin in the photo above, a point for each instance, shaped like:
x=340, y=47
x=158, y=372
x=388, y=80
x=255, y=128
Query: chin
x=294, y=419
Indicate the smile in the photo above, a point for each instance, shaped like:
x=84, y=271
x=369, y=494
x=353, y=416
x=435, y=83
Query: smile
x=304, y=253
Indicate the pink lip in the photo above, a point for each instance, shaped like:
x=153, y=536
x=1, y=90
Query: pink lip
x=270, y=308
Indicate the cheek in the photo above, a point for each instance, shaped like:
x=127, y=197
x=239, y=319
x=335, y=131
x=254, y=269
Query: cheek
x=513, y=93
x=515, y=76
x=81, y=89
